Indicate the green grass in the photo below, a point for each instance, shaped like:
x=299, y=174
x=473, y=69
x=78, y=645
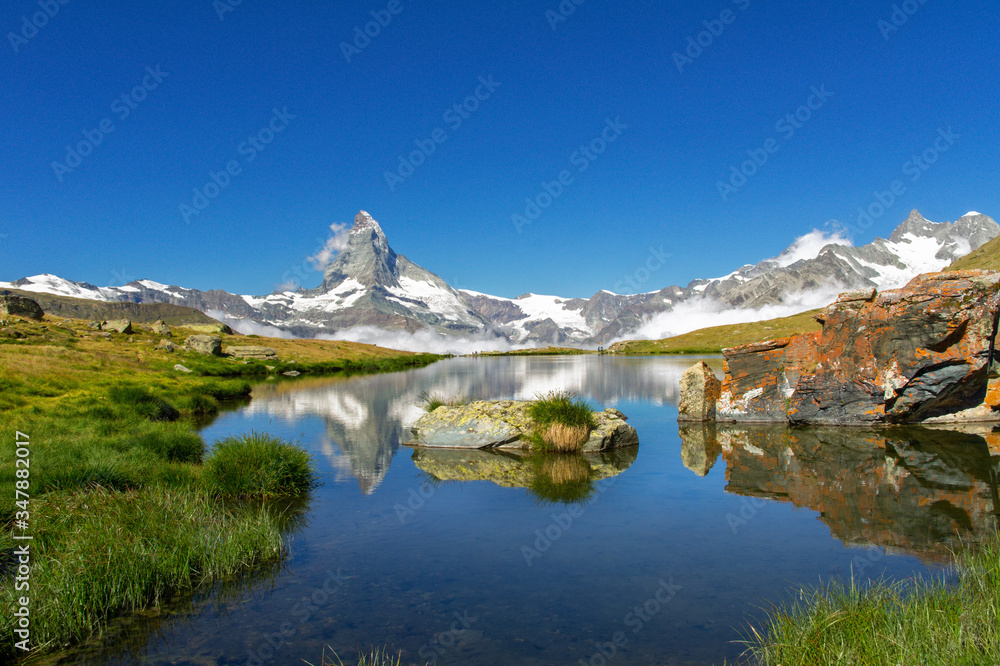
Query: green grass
x=258, y=466
x=716, y=338
x=987, y=256
x=98, y=553
x=561, y=407
x=919, y=622
x=375, y=657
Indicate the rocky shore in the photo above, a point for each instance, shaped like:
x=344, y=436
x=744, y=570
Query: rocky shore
x=920, y=354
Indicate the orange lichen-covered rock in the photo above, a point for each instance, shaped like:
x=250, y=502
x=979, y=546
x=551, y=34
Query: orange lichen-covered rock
x=905, y=355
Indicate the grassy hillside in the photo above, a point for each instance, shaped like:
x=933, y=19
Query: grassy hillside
x=713, y=340
x=986, y=257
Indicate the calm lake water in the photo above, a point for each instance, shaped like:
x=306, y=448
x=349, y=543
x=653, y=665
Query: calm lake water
x=669, y=551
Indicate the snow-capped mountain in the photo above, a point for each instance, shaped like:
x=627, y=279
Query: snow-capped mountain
x=370, y=285
x=805, y=269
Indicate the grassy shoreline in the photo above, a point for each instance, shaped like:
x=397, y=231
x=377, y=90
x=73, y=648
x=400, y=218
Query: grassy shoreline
x=126, y=509
x=912, y=622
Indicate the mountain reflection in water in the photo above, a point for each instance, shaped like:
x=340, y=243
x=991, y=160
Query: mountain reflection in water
x=367, y=418
x=910, y=490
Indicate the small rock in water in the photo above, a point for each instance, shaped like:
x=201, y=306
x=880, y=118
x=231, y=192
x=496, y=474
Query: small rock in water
x=291, y=373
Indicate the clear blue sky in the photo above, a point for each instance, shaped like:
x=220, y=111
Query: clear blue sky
x=116, y=216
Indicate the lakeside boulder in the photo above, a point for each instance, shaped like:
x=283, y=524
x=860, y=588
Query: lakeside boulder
x=917, y=354
x=502, y=423
x=700, y=390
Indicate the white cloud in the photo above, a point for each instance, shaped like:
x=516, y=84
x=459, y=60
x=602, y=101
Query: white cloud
x=424, y=340
x=335, y=244
x=247, y=327
x=810, y=245
x=693, y=314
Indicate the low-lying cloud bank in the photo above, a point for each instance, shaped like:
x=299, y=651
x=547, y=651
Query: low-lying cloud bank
x=701, y=313
x=424, y=340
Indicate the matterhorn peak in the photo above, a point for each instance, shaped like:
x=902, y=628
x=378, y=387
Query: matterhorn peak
x=363, y=220
x=367, y=259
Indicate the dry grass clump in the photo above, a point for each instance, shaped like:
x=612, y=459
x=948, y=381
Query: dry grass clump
x=565, y=438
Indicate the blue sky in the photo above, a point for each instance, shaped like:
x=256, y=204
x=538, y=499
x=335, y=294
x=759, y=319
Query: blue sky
x=641, y=137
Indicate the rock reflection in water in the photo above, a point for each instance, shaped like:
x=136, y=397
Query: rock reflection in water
x=367, y=417
x=913, y=490
x=549, y=477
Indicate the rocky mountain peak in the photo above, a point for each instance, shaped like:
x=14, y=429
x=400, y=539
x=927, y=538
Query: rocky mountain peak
x=915, y=224
x=367, y=259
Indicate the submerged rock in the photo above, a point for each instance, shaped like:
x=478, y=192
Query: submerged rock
x=502, y=423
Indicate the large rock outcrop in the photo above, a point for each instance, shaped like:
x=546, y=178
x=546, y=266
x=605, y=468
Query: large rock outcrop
x=906, y=355
x=20, y=306
x=501, y=423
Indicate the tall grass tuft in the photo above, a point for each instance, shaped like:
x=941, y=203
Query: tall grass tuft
x=923, y=622
x=563, y=421
x=258, y=465
x=376, y=657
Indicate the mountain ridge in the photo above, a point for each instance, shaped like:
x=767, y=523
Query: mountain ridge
x=369, y=285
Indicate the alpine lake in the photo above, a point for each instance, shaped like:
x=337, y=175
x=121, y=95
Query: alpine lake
x=658, y=554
